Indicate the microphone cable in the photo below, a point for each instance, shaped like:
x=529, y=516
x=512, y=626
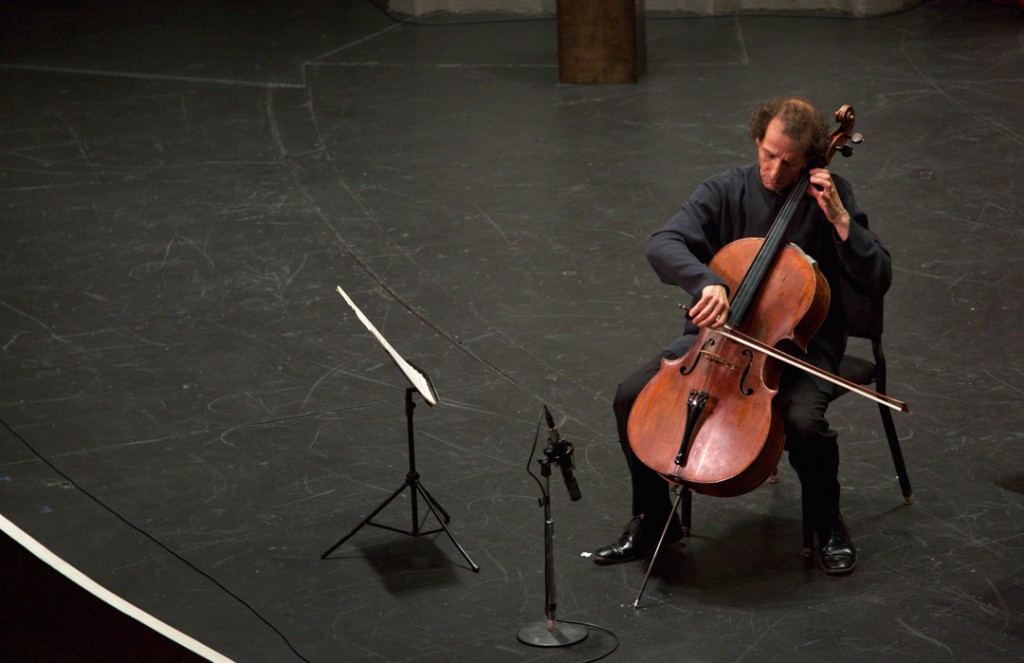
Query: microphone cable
x=152, y=538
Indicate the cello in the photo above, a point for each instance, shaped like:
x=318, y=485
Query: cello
x=710, y=420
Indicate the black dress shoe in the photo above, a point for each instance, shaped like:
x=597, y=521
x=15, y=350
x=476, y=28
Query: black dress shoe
x=639, y=538
x=837, y=556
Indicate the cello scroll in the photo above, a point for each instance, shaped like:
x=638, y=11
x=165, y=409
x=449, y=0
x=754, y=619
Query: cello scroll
x=840, y=139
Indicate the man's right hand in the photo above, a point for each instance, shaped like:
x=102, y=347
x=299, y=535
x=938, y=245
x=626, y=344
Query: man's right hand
x=712, y=309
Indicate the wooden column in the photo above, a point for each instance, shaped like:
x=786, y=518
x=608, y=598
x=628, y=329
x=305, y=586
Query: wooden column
x=601, y=41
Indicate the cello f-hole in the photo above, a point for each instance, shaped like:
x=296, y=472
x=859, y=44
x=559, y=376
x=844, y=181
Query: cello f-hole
x=686, y=370
x=745, y=390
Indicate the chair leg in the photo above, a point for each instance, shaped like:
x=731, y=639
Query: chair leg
x=807, y=518
x=897, y=454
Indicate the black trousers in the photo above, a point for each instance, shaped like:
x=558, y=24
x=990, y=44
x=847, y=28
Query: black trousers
x=812, y=447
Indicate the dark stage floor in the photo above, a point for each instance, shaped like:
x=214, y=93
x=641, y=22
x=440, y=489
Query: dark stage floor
x=192, y=415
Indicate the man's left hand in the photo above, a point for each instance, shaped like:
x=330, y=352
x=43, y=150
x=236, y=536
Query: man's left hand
x=823, y=189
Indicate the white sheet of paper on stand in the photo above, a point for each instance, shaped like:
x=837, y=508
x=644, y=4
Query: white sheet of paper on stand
x=413, y=374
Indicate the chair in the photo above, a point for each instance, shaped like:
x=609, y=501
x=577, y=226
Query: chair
x=865, y=319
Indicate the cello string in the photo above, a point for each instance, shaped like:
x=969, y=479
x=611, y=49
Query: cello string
x=752, y=279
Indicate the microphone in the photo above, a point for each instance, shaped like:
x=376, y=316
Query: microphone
x=560, y=451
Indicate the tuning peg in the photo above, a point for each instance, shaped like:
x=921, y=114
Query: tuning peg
x=847, y=149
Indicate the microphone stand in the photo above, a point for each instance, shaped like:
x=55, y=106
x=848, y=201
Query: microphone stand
x=550, y=632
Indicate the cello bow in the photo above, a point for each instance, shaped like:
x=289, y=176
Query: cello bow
x=734, y=334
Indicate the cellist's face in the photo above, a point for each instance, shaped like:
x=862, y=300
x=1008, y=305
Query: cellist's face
x=780, y=158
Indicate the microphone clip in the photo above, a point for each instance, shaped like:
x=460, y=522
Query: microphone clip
x=560, y=452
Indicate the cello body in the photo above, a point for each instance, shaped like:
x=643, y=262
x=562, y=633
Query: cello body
x=731, y=444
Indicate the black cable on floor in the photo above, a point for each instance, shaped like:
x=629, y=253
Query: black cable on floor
x=152, y=538
x=600, y=628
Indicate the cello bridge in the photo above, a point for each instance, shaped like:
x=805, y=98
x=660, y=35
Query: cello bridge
x=716, y=359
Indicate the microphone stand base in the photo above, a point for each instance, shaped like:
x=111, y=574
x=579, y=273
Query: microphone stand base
x=562, y=635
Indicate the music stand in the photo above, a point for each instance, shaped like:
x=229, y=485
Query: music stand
x=421, y=384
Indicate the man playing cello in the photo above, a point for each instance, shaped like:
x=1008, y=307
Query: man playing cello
x=827, y=225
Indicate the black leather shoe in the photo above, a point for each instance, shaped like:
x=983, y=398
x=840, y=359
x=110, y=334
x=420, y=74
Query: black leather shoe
x=639, y=538
x=837, y=556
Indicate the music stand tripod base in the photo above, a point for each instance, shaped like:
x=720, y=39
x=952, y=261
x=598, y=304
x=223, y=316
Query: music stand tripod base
x=416, y=488
x=561, y=634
